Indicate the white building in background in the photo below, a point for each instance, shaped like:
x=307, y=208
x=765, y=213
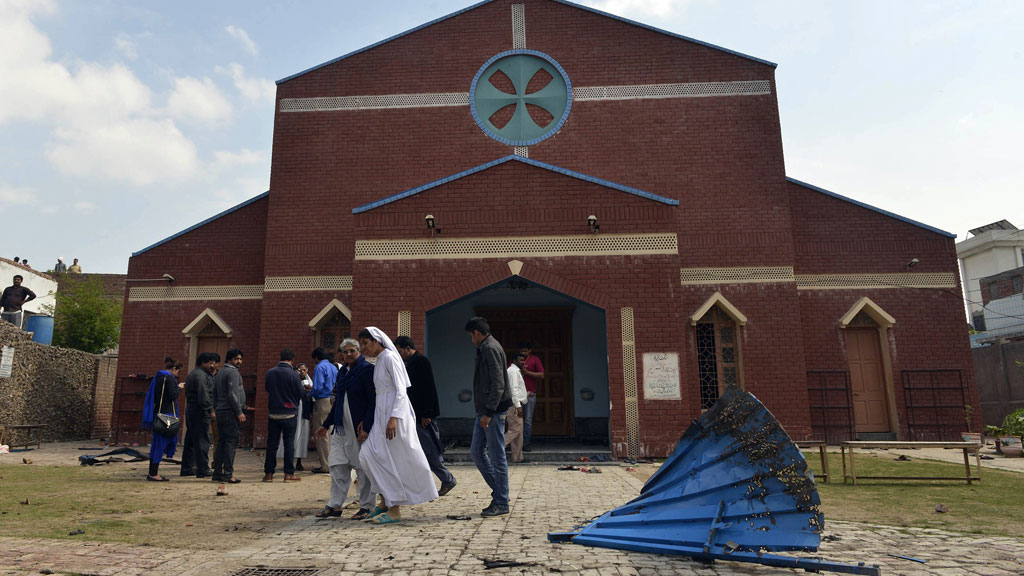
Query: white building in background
x=44, y=285
x=990, y=249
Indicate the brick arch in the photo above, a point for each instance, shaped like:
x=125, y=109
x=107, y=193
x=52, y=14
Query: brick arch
x=503, y=271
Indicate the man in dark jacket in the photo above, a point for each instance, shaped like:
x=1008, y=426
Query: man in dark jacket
x=284, y=392
x=350, y=421
x=198, y=412
x=229, y=410
x=13, y=297
x=423, y=396
x=492, y=397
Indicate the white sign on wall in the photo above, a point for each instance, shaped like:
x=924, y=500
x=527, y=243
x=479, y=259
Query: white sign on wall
x=661, y=376
x=6, y=361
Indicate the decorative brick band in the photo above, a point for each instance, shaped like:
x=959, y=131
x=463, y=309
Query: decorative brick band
x=630, y=384
x=172, y=293
x=695, y=276
x=518, y=26
x=374, y=102
x=404, y=323
x=542, y=246
x=689, y=90
x=579, y=94
x=860, y=281
x=307, y=283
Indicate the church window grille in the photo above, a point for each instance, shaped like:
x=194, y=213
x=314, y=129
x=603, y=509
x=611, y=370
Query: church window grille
x=718, y=355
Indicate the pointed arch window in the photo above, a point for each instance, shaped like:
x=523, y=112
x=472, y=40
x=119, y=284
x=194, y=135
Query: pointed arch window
x=719, y=362
x=332, y=325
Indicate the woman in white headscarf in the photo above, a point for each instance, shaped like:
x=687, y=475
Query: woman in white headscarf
x=392, y=455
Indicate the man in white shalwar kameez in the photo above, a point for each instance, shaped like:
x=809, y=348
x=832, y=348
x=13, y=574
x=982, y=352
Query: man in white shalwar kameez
x=350, y=421
x=392, y=455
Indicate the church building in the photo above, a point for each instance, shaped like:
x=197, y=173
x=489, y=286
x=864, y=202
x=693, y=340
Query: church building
x=611, y=192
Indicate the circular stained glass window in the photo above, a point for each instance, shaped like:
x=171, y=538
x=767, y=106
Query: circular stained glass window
x=520, y=97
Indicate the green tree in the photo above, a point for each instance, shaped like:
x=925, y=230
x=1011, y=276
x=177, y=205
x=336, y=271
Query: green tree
x=85, y=317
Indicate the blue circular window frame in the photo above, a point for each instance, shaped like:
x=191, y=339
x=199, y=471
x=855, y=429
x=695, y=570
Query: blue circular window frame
x=553, y=128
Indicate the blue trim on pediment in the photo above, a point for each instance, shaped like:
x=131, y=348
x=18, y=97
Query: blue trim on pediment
x=870, y=207
x=566, y=2
x=205, y=222
x=513, y=158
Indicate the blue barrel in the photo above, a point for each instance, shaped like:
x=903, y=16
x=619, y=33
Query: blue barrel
x=41, y=328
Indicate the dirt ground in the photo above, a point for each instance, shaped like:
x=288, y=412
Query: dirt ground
x=114, y=502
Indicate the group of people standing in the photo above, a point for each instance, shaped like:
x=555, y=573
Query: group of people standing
x=375, y=419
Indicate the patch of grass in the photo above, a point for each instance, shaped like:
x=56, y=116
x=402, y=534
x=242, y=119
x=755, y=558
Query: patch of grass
x=994, y=507
x=62, y=499
x=116, y=504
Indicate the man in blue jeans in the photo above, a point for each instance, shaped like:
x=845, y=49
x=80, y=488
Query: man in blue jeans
x=492, y=397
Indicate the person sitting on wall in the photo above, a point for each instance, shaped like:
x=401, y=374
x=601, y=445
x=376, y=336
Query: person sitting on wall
x=13, y=298
x=60, y=267
x=75, y=268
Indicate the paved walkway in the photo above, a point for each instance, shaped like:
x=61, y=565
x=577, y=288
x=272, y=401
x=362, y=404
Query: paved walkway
x=543, y=500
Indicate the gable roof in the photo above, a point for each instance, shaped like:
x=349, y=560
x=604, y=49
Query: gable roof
x=513, y=158
x=566, y=2
x=204, y=222
x=870, y=207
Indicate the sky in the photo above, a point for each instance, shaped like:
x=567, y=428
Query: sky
x=123, y=122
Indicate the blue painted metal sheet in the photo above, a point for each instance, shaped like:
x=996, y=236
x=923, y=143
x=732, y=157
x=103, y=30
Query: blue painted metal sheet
x=735, y=488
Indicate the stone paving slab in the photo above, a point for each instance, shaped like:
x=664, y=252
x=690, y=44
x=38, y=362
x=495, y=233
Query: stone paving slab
x=543, y=500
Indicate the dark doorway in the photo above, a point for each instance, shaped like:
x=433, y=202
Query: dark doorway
x=550, y=332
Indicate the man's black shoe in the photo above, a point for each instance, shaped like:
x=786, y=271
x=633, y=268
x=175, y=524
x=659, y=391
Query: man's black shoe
x=187, y=473
x=446, y=488
x=318, y=470
x=494, y=511
x=489, y=508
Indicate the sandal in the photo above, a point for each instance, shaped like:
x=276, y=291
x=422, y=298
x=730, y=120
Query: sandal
x=328, y=512
x=362, y=514
x=383, y=518
x=156, y=479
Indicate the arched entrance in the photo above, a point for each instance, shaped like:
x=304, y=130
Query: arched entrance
x=568, y=335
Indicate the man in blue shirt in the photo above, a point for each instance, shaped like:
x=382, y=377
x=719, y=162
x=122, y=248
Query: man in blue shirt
x=324, y=376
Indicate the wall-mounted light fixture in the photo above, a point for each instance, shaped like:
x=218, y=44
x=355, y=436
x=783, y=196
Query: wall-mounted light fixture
x=913, y=262
x=166, y=277
x=594, y=226
x=432, y=224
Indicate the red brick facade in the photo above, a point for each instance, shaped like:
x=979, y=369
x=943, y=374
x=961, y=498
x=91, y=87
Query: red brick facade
x=720, y=157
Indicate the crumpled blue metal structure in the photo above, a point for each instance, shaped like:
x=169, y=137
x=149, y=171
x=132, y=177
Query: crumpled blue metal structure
x=735, y=488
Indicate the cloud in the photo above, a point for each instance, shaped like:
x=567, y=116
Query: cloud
x=126, y=46
x=85, y=207
x=636, y=8
x=102, y=119
x=137, y=151
x=243, y=38
x=13, y=197
x=244, y=157
x=259, y=90
x=198, y=100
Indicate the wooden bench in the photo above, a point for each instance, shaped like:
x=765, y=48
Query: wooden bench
x=967, y=447
x=9, y=433
x=820, y=445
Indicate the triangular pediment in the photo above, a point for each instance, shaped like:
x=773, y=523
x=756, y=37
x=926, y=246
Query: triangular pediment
x=205, y=318
x=874, y=311
x=516, y=159
x=328, y=311
x=717, y=299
